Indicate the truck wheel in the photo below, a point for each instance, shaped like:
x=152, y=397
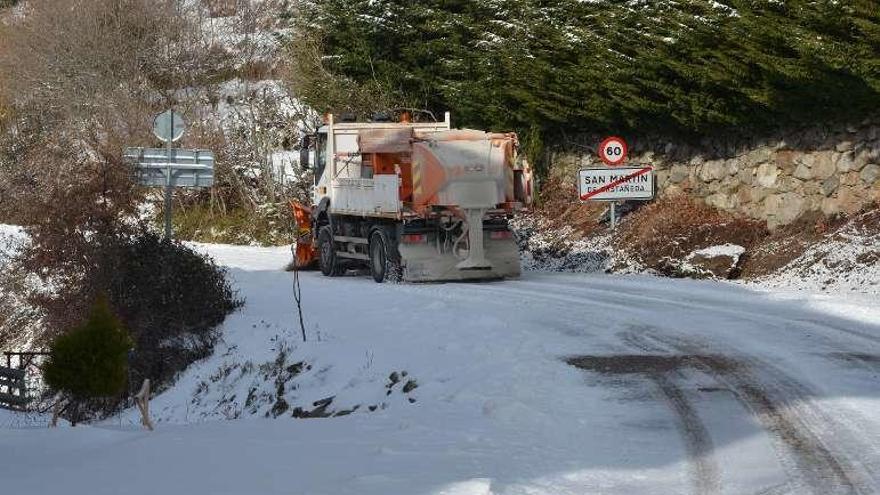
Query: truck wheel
x=384, y=259
x=327, y=258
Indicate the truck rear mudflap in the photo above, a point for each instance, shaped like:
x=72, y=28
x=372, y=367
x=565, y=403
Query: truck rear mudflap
x=426, y=263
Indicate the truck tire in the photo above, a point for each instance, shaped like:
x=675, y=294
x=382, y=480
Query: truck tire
x=384, y=258
x=327, y=253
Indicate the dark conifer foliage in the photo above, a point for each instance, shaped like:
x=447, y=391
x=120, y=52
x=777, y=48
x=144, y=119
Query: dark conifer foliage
x=90, y=361
x=682, y=67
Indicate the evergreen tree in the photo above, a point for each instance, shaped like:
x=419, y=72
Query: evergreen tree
x=547, y=68
x=91, y=360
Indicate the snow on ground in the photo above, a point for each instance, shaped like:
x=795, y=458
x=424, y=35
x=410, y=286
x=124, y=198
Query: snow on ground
x=730, y=250
x=675, y=386
x=19, y=421
x=252, y=31
x=562, y=249
x=10, y=237
x=711, y=262
x=847, y=260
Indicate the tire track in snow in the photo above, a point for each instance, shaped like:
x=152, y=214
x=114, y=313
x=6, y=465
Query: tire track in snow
x=828, y=332
x=617, y=297
x=861, y=360
x=698, y=443
x=663, y=372
x=578, y=295
x=784, y=407
x=705, y=471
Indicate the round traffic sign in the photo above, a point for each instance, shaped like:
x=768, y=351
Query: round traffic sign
x=169, y=126
x=613, y=150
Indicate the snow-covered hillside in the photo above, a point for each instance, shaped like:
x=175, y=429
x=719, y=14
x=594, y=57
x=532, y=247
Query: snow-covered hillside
x=553, y=384
x=846, y=260
x=842, y=260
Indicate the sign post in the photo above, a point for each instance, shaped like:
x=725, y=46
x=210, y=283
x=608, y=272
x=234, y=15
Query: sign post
x=168, y=196
x=168, y=126
x=613, y=213
x=613, y=151
x=616, y=184
x=168, y=167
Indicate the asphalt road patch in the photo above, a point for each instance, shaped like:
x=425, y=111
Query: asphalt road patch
x=649, y=364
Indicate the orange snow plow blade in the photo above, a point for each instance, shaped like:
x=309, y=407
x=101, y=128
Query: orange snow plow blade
x=304, y=253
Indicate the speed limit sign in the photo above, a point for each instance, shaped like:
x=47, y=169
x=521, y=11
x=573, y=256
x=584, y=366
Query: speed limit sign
x=613, y=150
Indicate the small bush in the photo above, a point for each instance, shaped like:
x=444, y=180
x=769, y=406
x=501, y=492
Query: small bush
x=90, y=362
x=169, y=297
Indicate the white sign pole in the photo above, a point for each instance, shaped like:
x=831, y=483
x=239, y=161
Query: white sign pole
x=613, y=151
x=168, y=202
x=613, y=215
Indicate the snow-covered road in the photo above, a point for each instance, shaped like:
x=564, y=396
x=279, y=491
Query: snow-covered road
x=552, y=384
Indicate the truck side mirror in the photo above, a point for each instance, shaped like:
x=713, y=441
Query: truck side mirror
x=305, y=144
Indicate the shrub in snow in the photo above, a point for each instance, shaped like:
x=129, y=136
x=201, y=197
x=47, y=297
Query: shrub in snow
x=169, y=297
x=90, y=361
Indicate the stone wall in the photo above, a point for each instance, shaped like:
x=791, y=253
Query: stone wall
x=777, y=179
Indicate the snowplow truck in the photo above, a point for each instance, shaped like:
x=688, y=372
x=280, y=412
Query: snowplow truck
x=412, y=201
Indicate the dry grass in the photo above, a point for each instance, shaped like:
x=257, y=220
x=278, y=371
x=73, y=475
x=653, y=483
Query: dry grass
x=256, y=70
x=559, y=207
x=269, y=225
x=221, y=8
x=675, y=226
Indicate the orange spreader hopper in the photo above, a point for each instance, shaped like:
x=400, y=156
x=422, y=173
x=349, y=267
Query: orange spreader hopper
x=305, y=255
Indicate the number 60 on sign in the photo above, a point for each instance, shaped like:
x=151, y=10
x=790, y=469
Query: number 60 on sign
x=613, y=151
